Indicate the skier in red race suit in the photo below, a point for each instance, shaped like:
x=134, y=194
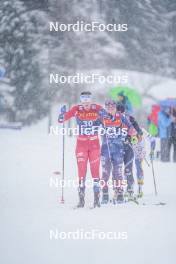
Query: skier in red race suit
x=88, y=116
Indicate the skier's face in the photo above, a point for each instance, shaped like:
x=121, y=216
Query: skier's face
x=86, y=105
x=110, y=108
x=120, y=98
x=86, y=101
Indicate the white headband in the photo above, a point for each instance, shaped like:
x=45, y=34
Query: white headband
x=85, y=98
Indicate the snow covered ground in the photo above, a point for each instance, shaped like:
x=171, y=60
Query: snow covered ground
x=30, y=209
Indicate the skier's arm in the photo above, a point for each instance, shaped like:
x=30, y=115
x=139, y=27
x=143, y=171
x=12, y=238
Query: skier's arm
x=67, y=115
x=126, y=121
x=135, y=125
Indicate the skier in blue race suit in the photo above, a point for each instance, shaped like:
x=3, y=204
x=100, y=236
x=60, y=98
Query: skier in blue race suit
x=112, y=152
x=128, y=151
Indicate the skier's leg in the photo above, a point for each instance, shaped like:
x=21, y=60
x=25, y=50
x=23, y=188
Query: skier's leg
x=117, y=182
x=106, y=170
x=139, y=171
x=94, y=159
x=82, y=158
x=117, y=174
x=140, y=175
x=81, y=193
x=128, y=170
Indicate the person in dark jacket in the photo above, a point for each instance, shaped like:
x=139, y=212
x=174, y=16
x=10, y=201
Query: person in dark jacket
x=122, y=99
x=164, y=125
x=172, y=139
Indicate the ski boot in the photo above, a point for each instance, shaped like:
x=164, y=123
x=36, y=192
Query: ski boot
x=96, y=189
x=118, y=196
x=81, y=194
x=140, y=192
x=129, y=194
x=114, y=199
x=105, y=196
x=81, y=202
x=130, y=197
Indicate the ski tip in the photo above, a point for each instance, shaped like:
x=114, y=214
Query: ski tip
x=156, y=204
x=160, y=203
x=56, y=172
x=94, y=207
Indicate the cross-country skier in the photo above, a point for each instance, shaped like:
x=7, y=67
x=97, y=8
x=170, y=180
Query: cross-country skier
x=138, y=145
x=129, y=153
x=112, y=152
x=87, y=115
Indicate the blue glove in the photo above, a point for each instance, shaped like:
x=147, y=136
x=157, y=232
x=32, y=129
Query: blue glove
x=102, y=113
x=63, y=109
x=62, y=112
x=61, y=118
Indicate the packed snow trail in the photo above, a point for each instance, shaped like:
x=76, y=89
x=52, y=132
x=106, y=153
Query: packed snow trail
x=30, y=209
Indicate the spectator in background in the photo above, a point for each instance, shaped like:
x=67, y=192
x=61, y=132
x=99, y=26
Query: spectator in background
x=172, y=139
x=164, y=125
x=122, y=99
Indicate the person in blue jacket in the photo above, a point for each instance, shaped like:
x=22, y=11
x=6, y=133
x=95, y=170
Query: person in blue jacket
x=164, y=126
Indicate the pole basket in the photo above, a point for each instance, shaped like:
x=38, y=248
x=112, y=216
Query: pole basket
x=62, y=201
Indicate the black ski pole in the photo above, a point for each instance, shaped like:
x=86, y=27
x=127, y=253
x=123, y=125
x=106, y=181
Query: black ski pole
x=153, y=173
x=146, y=161
x=63, y=165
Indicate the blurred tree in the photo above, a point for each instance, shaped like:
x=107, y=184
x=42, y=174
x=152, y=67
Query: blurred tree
x=30, y=52
x=149, y=41
x=36, y=5
x=20, y=50
x=75, y=52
